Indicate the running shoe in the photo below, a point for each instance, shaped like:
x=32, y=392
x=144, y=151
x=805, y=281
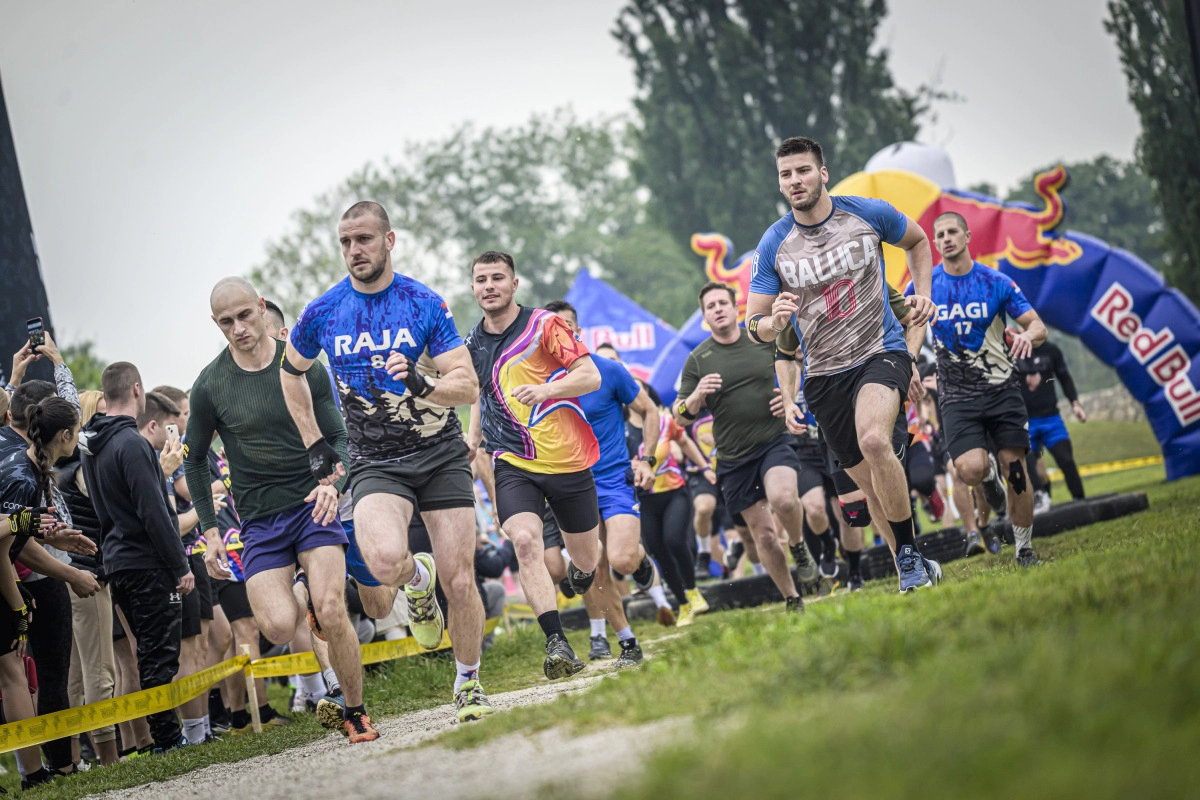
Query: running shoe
x=600, y=648
x=577, y=581
x=911, y=566
x=276, y=721
x=666, y=617
x=686, y=616
x=1027, y=558
x=358, y=728
x=631, y=654
x=643, y=576
x=993, y=543
x=794, y=605
x=1041, y=502
x=310, y=614
x=855, y=583
x=471, y=702
x=993, y=487
x=974, y=544
x=733, y=554
x=331, y=711
x=828, y=567
x=696, y=601
x=561, y=661
x=301, y=702
x=934, y=569
x=806, y=565
x=425, y=620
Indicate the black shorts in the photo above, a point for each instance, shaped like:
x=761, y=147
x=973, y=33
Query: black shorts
x=571, y=496
x=198, y=603
x=742, y=483
x=697, y=484
x=551, y=534
x=434, y=479
x=231, y=596
x=1000, y=415
x=843, y=484
x=812, y=473
x=832, y=399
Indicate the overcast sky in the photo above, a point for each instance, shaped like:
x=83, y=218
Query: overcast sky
x=162, y=145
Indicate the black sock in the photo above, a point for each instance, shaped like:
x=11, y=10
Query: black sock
x=903, y=531
x=854, y=558
x=240, y=719
x=828, y=543
x=265, y=712
x=352, y=710
x=704, y=560
x=551, y=624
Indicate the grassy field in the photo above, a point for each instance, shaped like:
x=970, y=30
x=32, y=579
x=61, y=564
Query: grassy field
x=1098, y=441
x=1078, y=678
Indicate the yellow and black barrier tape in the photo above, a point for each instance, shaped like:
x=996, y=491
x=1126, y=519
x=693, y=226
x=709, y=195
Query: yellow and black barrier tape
x=81, y=719
x=1088, y=470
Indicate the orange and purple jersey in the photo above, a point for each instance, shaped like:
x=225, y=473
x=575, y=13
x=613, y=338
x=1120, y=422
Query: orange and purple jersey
x=667, y=473
x=551, y=437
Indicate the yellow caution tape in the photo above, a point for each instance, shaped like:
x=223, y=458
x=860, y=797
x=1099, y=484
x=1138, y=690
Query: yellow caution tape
x=1110, y=466
x=74, y=721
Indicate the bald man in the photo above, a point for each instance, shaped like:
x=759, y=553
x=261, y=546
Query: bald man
x=287, y=517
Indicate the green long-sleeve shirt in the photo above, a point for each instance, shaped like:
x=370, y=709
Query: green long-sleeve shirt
x=268, y=462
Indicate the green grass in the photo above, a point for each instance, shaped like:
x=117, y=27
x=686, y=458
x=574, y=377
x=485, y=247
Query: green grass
x=1098, y=441
x=1078, y=678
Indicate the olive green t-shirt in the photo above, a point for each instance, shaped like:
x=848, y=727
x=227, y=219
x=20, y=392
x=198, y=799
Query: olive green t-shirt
x=741, y=408
x=788, y=341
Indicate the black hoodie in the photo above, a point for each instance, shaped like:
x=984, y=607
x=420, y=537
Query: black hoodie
x=127, y=487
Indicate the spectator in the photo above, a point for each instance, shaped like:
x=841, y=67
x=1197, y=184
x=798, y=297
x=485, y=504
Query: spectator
x=93, y=665
x=142, y=552
x=63, y=380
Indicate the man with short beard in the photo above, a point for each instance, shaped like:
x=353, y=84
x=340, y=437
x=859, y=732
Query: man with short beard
x=820, y=268
x=401, y=368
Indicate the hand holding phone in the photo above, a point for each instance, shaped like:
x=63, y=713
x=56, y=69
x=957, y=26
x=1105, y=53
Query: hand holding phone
x=172, y=432
x=37, y=332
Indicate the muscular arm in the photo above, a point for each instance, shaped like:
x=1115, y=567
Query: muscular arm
x=920, y=258
x=201, y=425
x=458, y=384
x=1033, y=327
x=298, y=396
x=758, y=303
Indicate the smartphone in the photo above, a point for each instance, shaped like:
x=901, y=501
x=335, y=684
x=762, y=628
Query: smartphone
x=37, y=332
x=172, y=431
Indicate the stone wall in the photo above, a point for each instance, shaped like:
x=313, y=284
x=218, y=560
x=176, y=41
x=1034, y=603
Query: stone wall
x=1115, y=404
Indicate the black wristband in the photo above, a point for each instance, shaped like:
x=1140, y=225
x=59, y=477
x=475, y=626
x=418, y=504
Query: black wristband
x=322, y=459
x=682, y=410
x=752, y=328
x=782, y=356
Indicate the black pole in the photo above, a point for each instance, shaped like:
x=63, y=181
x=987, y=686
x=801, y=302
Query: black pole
x=1191, y=10
x=22, y=293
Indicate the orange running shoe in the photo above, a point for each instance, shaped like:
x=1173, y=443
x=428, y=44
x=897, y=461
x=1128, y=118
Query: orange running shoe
x=358, y=728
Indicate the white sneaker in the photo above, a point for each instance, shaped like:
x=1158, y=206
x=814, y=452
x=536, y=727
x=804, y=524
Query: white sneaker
x=1041, y=502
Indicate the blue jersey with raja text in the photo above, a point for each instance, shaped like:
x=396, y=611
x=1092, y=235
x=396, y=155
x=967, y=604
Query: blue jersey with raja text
x=603, y=409
x=358, y=332
x=972, y=358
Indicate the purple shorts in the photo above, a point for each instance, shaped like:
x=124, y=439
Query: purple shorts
x=273, y=542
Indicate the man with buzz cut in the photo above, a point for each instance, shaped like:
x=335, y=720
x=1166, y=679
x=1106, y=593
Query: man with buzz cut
x=533, y=369
x=979, y=394
x=288, y=518
x=400, y=368
x=820, y=268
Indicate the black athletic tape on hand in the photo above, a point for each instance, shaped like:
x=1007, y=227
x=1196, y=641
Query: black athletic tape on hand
x=27, y=521
x=1016, y=476
x=322, y=459
x=415, y=382
x=21, y=623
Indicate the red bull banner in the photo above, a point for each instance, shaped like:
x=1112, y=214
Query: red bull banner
x=1118, y=306
x=609, y=317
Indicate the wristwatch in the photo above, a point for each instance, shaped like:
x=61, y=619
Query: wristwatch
x=651, y=460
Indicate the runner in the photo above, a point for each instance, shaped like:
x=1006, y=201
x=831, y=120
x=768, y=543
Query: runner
x=828, y=252
x=620, y=525
x=533, y=368
x=980, y=394
x=287, y=518
x=734, y=378
x=1041, y=370
x=401, y=368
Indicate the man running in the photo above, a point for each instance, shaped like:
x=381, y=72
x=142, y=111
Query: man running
x=979, y=392
x=826, y=256
x=401, y=368
x=734, y=378
x=1040, y=371
x=533, y=369
x=287, y=518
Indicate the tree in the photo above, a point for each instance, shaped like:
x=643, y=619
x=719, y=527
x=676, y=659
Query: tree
x=557, y=193
x=722, y=82
x=86, y=366
x=1153, y=42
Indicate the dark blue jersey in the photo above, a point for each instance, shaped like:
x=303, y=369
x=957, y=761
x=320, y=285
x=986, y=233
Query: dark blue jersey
x=972, y=357
x=358, y=332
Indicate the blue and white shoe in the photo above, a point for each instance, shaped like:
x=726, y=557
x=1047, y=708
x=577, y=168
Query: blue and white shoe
x=913, y=572
x=934, y=569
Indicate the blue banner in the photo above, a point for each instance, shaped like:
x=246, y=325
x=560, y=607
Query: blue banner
x=609, y=317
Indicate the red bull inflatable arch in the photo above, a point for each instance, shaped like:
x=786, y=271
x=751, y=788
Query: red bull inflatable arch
x=1118, y=306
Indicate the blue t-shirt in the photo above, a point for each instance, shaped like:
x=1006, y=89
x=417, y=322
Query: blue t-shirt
x=357, y=331
x=603, y=409
x=836, y=269
x=972, y=358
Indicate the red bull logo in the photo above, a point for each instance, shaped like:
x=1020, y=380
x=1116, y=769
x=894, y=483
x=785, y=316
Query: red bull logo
x=719, y=266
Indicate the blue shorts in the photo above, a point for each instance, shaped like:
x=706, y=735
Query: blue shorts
x=273, y=542
x=615, y=495
x=355, y=567
x=1046, y=432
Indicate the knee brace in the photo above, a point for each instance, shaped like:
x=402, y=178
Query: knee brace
x=1016, y=476
x=856, y=514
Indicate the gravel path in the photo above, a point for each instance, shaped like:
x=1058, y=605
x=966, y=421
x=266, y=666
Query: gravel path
x=514, y=765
